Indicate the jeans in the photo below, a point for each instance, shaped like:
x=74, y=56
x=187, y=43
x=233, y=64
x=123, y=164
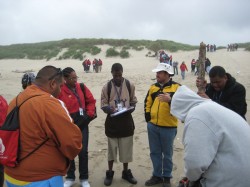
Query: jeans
x=161, y=140
x=82, y=156
x=183, y=75
x=175, y=70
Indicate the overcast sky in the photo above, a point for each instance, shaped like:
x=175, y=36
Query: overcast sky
x=187, y=21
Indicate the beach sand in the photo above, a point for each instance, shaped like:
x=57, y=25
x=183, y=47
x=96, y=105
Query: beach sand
x=137, y=69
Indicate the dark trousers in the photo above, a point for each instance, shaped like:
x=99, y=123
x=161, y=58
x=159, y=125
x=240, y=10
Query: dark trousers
x=1, y=176
x=82, y=157
x=175, y=70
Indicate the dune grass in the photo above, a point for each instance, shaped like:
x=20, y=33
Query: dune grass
x=76, y=48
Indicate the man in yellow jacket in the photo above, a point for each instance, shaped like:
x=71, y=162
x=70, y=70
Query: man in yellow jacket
x=44, y=117
x=161, y=125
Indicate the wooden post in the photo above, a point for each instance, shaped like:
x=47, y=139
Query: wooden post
x=201, y=66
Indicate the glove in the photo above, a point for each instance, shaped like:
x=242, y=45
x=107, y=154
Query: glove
x=108, y=109
x=147, y=116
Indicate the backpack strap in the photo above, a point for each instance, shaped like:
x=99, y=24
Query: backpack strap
x=18, y=106
x=110, y=87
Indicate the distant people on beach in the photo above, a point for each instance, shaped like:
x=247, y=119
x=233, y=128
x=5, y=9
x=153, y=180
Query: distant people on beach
x=164, y=58
x=161, y=125
x=118, y=95
x=193, y=65
x=183, y=69
x=44, y=119
x=214, y=139
x=207, y=65
x=81, y=106
x=211, y=47
x=27, y=79
x=225, y=90
x=232, y=47
x=175, y=67
x=86, y=65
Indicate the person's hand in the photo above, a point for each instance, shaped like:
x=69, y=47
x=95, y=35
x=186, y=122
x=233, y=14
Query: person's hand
x=202, y=94
x=108, y=109
x=201, y=83
x=164, y=97
x=147, y=116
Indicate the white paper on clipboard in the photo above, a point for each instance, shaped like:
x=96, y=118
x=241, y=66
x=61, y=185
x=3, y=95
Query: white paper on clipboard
x=122, y=111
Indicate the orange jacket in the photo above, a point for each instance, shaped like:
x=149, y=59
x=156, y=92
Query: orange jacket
x=40, y=117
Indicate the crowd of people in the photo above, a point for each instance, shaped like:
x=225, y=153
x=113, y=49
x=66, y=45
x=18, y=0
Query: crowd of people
x=214, y=119
x=211, y=48
x=232, y=47
x=96, y=64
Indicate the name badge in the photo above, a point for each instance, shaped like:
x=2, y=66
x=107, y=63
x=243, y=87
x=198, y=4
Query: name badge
x=81, y=111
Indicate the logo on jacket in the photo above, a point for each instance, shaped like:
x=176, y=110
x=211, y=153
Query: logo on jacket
x=2, y=147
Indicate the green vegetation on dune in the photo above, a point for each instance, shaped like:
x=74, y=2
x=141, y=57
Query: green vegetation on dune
x=245, y=45
x=76, y=48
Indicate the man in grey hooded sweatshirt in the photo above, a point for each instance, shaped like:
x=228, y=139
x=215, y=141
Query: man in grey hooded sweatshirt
x=216, y=141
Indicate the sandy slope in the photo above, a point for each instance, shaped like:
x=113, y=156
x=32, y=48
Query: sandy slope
x=137, y=69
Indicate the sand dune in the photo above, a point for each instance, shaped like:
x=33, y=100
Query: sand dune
x=137, y=69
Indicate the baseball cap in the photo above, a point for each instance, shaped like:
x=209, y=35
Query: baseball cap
x=164, y=67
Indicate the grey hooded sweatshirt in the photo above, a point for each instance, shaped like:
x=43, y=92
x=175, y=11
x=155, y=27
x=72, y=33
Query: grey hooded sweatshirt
x=216, y=141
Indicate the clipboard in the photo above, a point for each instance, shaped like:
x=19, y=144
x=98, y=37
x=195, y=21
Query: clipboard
x=122, y=111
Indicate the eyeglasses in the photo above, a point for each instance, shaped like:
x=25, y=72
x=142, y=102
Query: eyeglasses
x=58, y=72
x=73, y=78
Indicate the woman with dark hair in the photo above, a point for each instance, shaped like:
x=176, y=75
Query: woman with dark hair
x=81, y=106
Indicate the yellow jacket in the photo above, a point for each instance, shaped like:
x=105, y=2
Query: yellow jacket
x=158, y=112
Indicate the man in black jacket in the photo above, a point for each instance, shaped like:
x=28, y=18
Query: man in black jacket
x=225, y=90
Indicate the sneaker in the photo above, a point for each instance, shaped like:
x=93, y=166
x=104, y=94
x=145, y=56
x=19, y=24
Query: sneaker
x=109, y=177
x=153, y=181
x=68, y=183
x=166, y=182
x=85, y=183
x=127, y=175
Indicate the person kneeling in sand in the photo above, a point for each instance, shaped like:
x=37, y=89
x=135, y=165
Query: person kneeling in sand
x=214, y=153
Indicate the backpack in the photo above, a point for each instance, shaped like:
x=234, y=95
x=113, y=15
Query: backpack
x=110, y=87
x=10, y=138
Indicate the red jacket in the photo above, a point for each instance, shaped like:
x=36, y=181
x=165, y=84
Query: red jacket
x=3, y=110
x=71, y=101
x=183, y=67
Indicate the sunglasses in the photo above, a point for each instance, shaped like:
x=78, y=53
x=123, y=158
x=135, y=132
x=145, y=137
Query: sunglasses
x=58, y=72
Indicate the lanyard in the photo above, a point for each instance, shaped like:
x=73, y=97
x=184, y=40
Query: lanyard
x=77, y=96
x=118, y=93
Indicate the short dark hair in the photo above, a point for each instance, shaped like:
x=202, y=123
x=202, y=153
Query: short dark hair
x=48, y=73
x=116, y=67
x=66, y=71
x=217, y=71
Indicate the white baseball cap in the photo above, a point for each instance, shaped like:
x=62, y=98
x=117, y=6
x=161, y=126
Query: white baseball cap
x=164, y=67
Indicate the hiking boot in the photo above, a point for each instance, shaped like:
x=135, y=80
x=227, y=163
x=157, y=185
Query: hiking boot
x=85, y=183
x=109, y=178
x=166, y=182
x=153, y=181
x=127, y=175
x=68, y=183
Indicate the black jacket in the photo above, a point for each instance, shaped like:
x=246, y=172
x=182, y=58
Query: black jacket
x=233, y=96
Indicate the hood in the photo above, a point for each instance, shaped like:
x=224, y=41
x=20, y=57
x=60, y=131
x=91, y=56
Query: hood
x=183, y=100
